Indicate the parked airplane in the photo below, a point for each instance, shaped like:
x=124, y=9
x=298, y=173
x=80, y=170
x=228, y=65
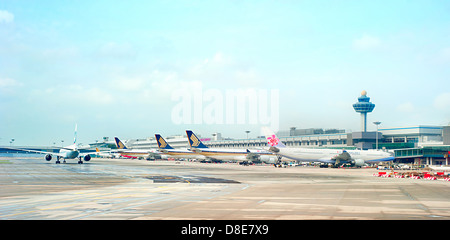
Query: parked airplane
x=262, y=156
x=227, y=154
x=69, y=152
x=356, y=158
x=136, y=153
x=165, y=148
x=108, y=154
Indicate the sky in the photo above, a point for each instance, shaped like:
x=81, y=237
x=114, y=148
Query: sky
x=135, y=68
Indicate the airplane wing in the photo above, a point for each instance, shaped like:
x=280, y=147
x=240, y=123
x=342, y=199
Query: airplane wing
x=51, y=153
x=342, y=157
x=97, y=151
x=387, y=159
x=325, y=160
x=35, y=151
x=86, y=153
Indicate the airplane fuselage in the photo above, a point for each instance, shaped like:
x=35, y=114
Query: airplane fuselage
x=327, y=155
x=139, y=153
x=69, y=154
x=182, y=153
x=223, y=154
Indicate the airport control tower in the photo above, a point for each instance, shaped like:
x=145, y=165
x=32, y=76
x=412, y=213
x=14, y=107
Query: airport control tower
x=364, y=106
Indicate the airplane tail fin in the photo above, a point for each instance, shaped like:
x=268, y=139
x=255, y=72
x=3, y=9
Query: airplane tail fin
x=194, y=141
x=119, y=143
x=272, y=139
x=75, y=134
x=162, y=144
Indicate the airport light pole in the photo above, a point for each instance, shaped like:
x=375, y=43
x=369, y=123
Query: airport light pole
x=248, y=144
x=376, y=137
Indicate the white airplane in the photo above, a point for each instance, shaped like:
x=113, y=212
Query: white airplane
x=108, y=154
x=69, y=152
x=136, y=153
x=165, y=148
x=240, y=155
x=263, y=156
x=356, y=158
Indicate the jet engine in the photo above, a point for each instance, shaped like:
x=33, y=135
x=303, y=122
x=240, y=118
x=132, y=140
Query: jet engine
x=274, y=149
x=268, y=158
x=154, y=156
x=253, y=157
x=359, y=162
x=48, y=157
x=87, y=158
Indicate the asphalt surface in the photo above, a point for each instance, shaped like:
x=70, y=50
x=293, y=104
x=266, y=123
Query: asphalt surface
x=32, y=188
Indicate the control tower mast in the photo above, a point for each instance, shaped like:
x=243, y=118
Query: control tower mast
x=363, y=106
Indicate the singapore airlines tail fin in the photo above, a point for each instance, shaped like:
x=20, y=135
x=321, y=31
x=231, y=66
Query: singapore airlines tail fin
x=271, y=138
x=162, y=144
x=119, y=143
x=194, y=141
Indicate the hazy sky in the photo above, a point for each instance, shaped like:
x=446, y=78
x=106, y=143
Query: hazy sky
x=112, y=66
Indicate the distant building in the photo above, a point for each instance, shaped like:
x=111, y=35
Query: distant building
x=421, y=144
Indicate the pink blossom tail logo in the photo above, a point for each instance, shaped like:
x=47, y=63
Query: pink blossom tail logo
x=273, y=140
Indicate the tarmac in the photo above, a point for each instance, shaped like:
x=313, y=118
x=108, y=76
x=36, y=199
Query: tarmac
x=122, y=189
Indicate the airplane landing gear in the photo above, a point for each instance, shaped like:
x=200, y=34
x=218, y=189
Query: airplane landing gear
x=278, y=164
x=58, y=162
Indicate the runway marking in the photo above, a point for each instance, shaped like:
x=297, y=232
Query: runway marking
x=102, y=197
x=294, y=194
x=418, y=204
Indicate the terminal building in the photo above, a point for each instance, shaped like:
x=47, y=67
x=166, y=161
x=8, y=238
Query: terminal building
x=420, y=144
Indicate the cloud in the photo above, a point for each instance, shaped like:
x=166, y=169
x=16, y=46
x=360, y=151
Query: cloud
x=7, y=85
x=407, y=107
x=366, y=42
x=128, y=84
x=248, y=78
x=442, y=101
x=6, y=17
x=117, y=51
x=8, y=82
x=223, y=71
x=155, y=87
x=216, y=62
x=72, y=96
x=445, y=54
